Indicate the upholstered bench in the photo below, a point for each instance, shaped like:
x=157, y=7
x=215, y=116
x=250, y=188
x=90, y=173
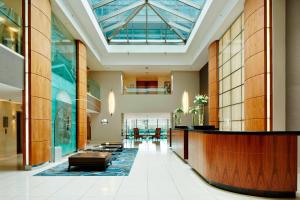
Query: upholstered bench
x=99, y=160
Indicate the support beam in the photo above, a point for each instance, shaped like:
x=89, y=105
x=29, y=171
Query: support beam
x=171, y=27
x=102, y=3
x=191, y=4
x=180, y=27
x=172, y=11
x=128, y=19
x=120, y=11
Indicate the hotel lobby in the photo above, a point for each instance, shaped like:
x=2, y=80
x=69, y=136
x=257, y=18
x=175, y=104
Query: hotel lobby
x=149, y=99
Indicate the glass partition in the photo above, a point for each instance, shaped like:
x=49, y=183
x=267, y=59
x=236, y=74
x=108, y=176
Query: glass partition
x=231, y=77
x=11, y=24
x=63, y=57
x=146, y=127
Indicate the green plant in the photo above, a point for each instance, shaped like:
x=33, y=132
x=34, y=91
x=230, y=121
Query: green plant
x=178, y=110
x=177, y=115
x=194, y=111
x=200, y=101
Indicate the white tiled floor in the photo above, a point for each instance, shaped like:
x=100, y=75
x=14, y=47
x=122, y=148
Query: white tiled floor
x=157, y=174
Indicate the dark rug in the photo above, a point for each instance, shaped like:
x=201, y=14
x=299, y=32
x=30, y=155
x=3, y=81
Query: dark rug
x=121, y=166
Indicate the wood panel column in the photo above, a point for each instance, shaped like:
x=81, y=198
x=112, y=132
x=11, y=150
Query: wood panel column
x=258, y=65
x=213, y=85
x=81, y=95
x=39, y=81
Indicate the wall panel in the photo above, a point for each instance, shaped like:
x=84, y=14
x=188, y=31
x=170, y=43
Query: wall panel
x=81, y=96
x=256, y=72
x=40, y=81
x=213, y=94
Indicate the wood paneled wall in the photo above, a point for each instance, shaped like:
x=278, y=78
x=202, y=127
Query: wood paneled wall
x=254, y=164
x=255, y=65
x=179, y=140
x=81, y=95
x=39, y=81
x=213, y=85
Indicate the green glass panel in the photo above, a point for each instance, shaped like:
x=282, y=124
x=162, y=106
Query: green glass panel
x=63, y=54
x=10, y=27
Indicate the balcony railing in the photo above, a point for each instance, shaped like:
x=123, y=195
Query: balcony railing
x=93, y=88
x=10, y=28
x=146, y=91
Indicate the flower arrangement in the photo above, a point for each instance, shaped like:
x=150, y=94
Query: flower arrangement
x=201, y=100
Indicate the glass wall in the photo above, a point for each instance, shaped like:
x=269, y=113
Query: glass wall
x=231, y=77
x=11, y=24
x=63, y=57
x=146, y=126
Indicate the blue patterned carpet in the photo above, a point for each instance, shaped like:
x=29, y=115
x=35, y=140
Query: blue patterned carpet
x=121, y=166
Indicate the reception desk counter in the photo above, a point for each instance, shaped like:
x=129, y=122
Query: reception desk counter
x=255, y=163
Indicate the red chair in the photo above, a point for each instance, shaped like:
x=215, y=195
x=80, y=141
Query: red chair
x=157, y=134
x=136, y=133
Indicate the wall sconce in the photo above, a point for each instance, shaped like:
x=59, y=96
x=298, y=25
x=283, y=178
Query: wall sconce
x=13, y=29
x=111, y=103
x=2, y=19
x=185, y=102
x=104, y=121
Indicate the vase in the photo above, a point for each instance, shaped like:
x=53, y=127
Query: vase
x=193, y=119
x=201, y=115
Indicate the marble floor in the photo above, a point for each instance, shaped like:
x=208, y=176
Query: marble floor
x=157, y=174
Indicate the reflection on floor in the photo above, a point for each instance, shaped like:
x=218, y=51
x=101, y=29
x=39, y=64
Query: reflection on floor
x=157, y=174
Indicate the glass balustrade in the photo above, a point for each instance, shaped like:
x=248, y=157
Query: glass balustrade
x=10, y=28
x=93, y=88
x=163, y=90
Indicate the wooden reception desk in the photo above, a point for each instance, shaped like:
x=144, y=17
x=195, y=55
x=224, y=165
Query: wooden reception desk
x=255, y=163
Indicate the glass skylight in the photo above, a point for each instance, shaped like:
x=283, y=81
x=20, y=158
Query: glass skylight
x=147, y=21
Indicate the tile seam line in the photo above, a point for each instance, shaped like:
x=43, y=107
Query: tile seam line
x=173, y=180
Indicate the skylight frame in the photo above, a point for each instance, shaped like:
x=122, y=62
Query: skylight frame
x=179, y=32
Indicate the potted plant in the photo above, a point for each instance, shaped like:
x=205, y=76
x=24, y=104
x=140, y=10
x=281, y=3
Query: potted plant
x=177, y=115
x=200, y=101
x=193, y=111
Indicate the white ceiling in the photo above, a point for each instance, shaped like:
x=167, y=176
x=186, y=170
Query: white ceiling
x=212, y=23
x=9, y=93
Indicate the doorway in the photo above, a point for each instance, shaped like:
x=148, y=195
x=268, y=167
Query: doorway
x=19, y=133
x=11, y=157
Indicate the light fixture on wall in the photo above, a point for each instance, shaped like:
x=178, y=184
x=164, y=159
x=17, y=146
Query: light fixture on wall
x=185, y=102
x=111, y=102
x=2, y=19
x=13, y=29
